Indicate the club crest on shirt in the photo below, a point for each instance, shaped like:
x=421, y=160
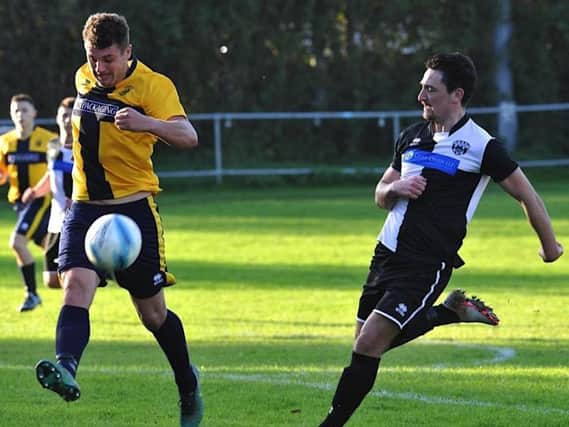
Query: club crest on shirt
x=460, y=147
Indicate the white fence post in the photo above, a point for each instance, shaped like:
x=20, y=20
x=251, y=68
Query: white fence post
x=217, y=148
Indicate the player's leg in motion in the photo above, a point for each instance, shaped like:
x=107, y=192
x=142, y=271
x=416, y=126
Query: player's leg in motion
x=168, y=330
x=358, y=378
x=372, y=340
x=456, y=308
x=72, y=334
x=35, y=213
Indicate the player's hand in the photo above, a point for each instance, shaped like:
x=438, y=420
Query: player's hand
x=129, y=119
x=411, y=187
x=551, y=254
x=29, y=195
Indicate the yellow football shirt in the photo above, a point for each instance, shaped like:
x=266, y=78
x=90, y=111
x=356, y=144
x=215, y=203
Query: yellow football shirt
x=110, y=163
x=24, y=160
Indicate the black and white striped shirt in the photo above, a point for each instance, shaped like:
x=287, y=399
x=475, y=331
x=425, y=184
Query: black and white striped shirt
x=458, y=167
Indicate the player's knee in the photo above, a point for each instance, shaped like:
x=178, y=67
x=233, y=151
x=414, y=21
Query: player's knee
x=12, y=244
x=51, y=280
x=79, y=286
x=152, y=321
x=152, y=311
x=371, y=344
x=17, y=242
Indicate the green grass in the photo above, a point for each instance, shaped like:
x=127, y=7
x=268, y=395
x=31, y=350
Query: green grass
x=268, y=286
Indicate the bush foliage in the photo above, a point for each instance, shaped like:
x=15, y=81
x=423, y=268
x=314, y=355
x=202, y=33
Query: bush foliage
x=322, y=55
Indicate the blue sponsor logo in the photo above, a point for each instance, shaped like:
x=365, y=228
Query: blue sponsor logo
x=435, y=161
x=24, y=158
x=60, y=165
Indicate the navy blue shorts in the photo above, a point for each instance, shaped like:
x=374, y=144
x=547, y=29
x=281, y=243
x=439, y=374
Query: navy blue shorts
x=148, y=274
x=33, y=218
x=399, y=288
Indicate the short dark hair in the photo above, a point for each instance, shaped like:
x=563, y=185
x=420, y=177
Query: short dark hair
x=67, y=102
x=104, y=29
x=458, y=71
x=22, y=97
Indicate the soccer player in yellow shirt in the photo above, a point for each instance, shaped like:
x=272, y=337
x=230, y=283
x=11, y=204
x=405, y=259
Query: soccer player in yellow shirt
x=122, y=109
x=23, y=163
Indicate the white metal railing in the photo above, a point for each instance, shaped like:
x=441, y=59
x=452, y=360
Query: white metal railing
x=317, y=117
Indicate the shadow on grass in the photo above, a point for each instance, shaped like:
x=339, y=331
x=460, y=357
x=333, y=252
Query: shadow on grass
x=322, y=276
x=131, y=384
x=193, y=275
x=282, y=354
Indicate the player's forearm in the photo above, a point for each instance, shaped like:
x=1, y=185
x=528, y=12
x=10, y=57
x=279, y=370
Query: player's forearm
x=385, y=196
x=538, y=218
x=42, y=187
x=179, y=133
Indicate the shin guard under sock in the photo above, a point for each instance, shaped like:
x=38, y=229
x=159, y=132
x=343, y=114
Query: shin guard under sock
x=72, y=336
x=355, y=383
x=172, y=340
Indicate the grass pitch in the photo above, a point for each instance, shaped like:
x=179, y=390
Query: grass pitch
x=268, y=283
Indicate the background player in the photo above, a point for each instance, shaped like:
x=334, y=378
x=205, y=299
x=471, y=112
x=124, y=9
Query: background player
x=58, y=182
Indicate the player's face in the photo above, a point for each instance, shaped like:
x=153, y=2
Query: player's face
x=437, y=103
x=23, y=114
x=109, y=65
x=63, y=119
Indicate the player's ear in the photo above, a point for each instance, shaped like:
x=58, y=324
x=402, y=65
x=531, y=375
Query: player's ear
x=128, y=51
x=458, y=93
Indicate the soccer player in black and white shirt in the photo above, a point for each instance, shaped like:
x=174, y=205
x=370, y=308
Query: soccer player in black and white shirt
x=439, y=171
x=57, y=181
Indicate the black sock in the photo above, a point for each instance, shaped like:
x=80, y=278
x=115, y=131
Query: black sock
x=444, y=316
x=355, y=383
x=72, y=336
x=172, y=340
x=29, y=275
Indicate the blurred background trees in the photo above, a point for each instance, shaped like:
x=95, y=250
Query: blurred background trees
x=299, y=55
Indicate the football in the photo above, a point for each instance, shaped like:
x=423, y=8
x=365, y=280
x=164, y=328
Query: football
x=113, y=242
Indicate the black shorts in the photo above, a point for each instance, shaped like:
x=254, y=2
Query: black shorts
x=50, y=252
x=33, y=218
x=400, y=288
x=148, y=274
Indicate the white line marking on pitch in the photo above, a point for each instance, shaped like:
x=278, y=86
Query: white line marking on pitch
x=501, y=354
x=433, y=400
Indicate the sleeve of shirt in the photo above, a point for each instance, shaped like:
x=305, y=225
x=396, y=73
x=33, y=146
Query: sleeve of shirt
x=496, y=162
x=162, y=100
x=396, y=161
x=59, y=196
